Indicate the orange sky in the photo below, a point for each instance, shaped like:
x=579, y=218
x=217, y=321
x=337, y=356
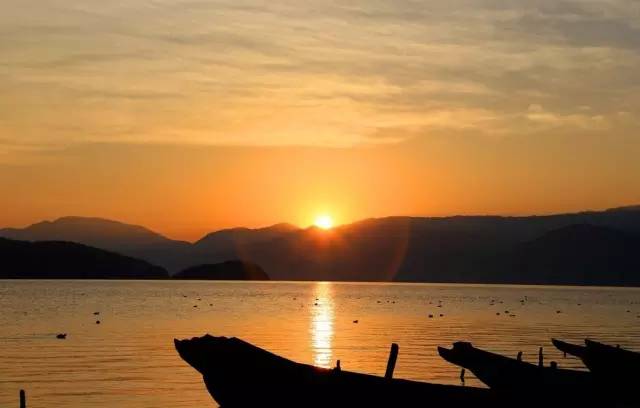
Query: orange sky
x=187, y=191
x=188, y=116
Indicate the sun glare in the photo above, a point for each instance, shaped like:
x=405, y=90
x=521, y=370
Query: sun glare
x=324, y=221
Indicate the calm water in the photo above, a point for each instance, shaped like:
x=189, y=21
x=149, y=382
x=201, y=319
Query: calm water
x=129, y=360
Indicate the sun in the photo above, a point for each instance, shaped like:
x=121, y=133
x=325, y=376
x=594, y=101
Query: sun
x=323, y=221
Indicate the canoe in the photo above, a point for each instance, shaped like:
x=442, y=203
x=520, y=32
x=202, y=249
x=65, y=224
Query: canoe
x=628, y=358
x=576, y=350
x=613, y=368
x=610, y=363
x=613, y=364
x=509, y=375
x=239, y=374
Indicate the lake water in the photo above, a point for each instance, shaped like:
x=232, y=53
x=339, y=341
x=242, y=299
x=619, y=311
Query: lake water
x=129, y=359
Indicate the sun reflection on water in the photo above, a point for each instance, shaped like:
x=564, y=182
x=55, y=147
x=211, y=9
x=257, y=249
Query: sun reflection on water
x=322, y=325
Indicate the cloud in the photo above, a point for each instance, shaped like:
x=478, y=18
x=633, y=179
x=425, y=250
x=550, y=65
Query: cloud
x=543, y=118
x=314, y=73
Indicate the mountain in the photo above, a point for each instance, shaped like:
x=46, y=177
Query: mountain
x=235, y=239
x=97, y=232
x=577, y=254
x=469, y=249
x=229, y=270
x=132, y=240
x=627, y=208
x=67, y=260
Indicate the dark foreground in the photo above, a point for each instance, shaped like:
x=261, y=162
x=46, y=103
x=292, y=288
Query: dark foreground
x=238, y=374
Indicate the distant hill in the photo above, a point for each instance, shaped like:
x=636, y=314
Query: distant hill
x=97, y=232
x=577, y=254
x=229, y=270
x=627, y=208
x=132, y=240
x=454, y=249
x=235, y=239
x=470, y=249
x=67, y=260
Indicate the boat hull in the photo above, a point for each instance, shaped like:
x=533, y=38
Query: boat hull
x=515, y=377
x=238, y=374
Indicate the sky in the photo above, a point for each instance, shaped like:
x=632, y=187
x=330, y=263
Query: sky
x=188, y=116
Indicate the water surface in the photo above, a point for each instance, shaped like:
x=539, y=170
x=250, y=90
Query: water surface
x=129, y=360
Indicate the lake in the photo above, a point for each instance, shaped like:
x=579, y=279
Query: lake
x=129, y=360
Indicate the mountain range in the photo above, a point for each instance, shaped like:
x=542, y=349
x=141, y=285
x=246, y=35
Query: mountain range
x=587, y=248
x=69, y=260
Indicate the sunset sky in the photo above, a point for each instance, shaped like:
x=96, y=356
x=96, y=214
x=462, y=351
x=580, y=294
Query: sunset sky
x=189, y=116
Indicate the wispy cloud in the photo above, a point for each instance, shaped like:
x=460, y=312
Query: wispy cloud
x=314, y=72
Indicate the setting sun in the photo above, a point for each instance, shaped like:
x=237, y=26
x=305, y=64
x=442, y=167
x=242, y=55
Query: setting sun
x=324, y=221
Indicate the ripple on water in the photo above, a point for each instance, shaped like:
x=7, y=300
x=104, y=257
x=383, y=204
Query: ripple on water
x=129, y=359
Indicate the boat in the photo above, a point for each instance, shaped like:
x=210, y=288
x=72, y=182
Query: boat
x=612, y=365
x=513, y=376
x=602, y=359
x=616, y=354
x=239, y=374
x=570, y=348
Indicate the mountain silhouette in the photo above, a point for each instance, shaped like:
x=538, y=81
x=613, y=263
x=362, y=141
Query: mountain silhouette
x=97, y=232
x=229, y=270
x=550, y=249
x=132, y=240
x=68, y=260
x=579, y=253
x=235, y=239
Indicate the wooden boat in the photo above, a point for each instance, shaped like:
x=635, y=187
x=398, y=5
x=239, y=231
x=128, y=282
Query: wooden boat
x=508, y=375
x=238, y=374
x=613, y=353
x=611, y=365
x=569, y=348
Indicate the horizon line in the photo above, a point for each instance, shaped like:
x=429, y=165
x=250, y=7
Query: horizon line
x=337, y=226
